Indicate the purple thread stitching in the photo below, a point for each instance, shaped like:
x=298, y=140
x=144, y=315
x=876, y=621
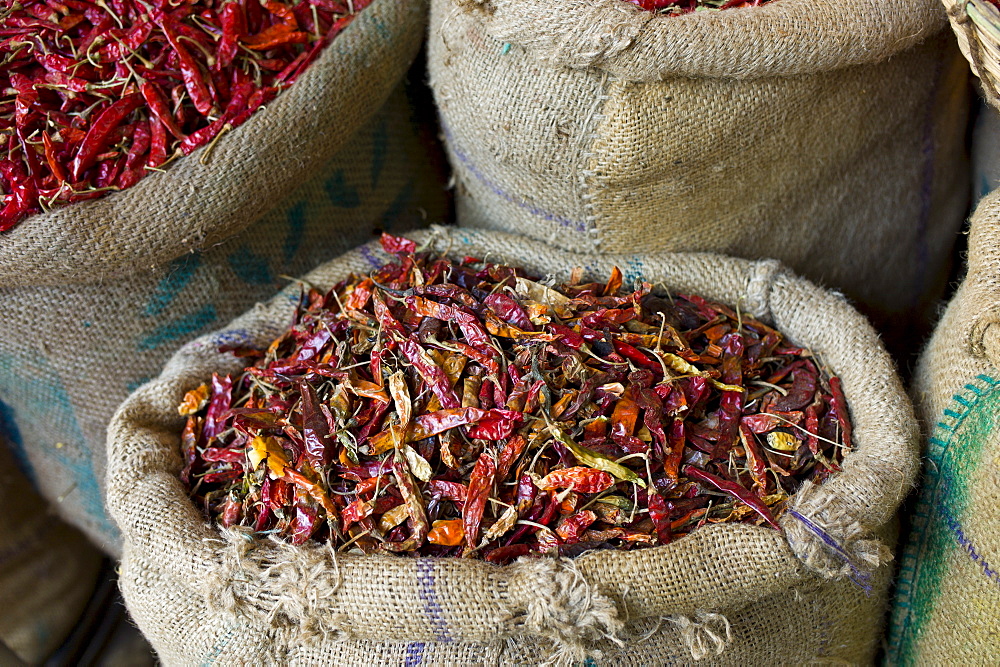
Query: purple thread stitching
x=967, y=544
x=859, y=577
x=495, y=189
x=414, y=654
x=427, y=595
x=926, y=191
x=367, y=253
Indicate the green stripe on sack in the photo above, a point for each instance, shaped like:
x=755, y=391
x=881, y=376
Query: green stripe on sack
x=953, y=455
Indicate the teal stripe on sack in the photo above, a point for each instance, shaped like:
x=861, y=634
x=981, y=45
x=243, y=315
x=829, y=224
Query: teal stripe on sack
x=296, y=217
x=954, y=453
x=180, y=328
x=250, y=267
x=179, y=274
x=44, y=399
x=380, y=149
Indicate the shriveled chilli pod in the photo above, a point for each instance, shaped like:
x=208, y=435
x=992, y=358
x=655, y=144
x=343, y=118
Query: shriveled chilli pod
x=441, y=408
x=96, y=94
x=676, y=7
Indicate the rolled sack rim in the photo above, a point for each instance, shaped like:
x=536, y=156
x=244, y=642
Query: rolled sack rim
x=977, y=298
x=780, y=38
x=114, y=235
x=788, y=561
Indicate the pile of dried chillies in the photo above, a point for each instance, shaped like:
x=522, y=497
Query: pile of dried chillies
x=96, y=93
x=442, y=408
x=676, y=7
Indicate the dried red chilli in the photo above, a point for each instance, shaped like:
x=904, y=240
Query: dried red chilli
x=464, y=409
x=676, y=7
x=96, y=94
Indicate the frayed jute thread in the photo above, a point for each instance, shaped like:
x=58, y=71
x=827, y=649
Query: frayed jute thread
x=285, y=587
x=568, y=610
x=706, y=634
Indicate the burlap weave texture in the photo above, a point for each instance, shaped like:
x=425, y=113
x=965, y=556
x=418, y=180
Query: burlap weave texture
x=203, y=199
x=75, y=343
x=947, y=599
x=828, y=135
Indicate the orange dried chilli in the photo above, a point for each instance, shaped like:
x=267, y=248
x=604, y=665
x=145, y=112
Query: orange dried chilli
x=443, y=408
x=96, y=94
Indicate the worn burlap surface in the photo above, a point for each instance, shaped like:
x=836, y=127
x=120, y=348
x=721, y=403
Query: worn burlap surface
x=192, y=205
x=947, y=600
x=204, y=596
x=47, y=569
x=827, y=134
x=71, y=352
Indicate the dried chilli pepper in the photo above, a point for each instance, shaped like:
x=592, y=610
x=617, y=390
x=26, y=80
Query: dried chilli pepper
x=99, y=94
x=439, y=408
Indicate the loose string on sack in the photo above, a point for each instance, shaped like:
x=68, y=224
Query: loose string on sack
x=829, y=541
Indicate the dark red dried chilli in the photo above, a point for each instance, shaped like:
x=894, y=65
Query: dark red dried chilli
x=96, y=93
x=466, y=409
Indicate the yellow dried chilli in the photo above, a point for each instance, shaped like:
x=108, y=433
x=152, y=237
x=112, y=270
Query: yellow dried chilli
x=446, y=408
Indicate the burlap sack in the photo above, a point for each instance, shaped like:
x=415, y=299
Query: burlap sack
x=947, y=602
x=71, y=351
x=47, y=570
x=828, y=134
x=731, y=593
x=193, y=205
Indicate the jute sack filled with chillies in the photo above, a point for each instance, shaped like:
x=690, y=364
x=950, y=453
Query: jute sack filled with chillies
x=946, y=599
x=198, y=592
x=218, y=190
x=71, y=350
x=828, y=135
x=48, y=571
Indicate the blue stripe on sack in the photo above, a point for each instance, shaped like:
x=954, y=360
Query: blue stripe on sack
x=250, y=267
x=179, y=328
x=179, y=274
x=381, y=28
x=516, y=201
x=218, y=648
x=370, y=257
x=398, y=207
x=232, y=337
x=75, y=460
x=296, y=217
x=380, y=149
x=956, y=528
x=12, y=434
x=414, y=654
x=135, y=384
x=923, y=561
x=341, y=193
x=428, y=596
x=633, y=272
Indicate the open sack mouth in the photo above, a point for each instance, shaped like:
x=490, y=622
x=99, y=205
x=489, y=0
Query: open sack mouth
x=830, y=530
x=462, y=408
